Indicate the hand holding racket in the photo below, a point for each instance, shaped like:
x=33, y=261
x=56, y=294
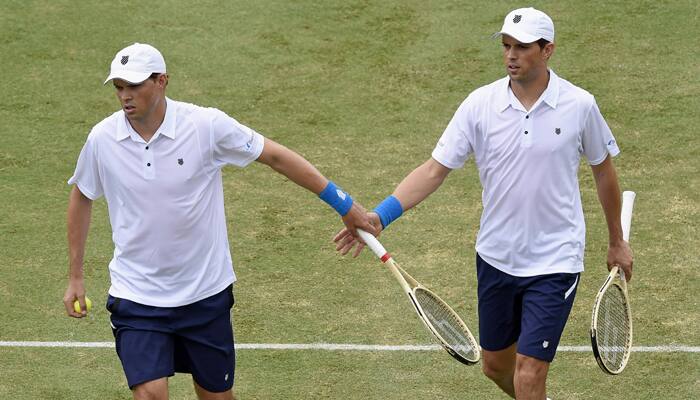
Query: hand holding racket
x=345, y=241
x=611, y=324
x=440, y=319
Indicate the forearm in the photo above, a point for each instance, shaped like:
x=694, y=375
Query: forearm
x=609, y=196
x=293, y=166
x=304, y=174
x=420, y=183
x=414, y=188
x=78, y=223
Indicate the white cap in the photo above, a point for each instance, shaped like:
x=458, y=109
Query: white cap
x=136, y=63
x=527, y=25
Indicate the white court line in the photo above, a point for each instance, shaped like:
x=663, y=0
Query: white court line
x=352, y=347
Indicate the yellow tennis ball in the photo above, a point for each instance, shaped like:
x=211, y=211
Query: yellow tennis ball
x=88, y=304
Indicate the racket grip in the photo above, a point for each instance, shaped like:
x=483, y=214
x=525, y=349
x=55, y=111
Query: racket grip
x=373, y=243
x=626, y=215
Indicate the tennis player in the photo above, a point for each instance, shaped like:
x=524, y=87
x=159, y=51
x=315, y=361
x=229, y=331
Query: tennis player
x=526, y=132
x=158, y=164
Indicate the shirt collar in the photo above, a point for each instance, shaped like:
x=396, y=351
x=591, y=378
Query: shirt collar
x=551, y=94
x=505, y=97
x=167, y=128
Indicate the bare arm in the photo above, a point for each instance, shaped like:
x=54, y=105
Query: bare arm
x=292, y=165
x=304, y=174
x=420, y=183
x=79, y=211
x=413, y=189
x=619, y=251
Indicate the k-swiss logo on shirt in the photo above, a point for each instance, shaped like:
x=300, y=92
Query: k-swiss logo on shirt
x=557, y=131
x=545, y=344
x=180, y=161
x=125, y=59
x=517, y=19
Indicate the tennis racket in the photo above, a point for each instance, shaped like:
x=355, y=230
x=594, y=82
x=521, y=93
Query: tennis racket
x=611, y=325
x=440, y=319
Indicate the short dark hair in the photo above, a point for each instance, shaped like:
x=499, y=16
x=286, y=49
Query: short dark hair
x=542, y=43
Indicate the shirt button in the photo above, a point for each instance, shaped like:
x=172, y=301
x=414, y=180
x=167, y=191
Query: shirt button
x=527, y=117
x=526, y=132
x=148, y=164
x=146, y=147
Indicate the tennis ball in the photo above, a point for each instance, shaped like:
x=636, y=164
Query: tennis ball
x=88, y=304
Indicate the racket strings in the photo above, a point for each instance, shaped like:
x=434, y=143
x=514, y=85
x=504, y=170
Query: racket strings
x=447, y=324
x=613, y=328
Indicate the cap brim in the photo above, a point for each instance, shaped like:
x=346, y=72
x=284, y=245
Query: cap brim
x=521, y=37
x=128, y=76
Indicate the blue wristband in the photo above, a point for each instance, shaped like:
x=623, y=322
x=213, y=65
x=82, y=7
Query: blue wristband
x=389, y=210
x=336, y=198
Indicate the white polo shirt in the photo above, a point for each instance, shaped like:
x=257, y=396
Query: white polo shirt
x=165, y=200
x=532, y=221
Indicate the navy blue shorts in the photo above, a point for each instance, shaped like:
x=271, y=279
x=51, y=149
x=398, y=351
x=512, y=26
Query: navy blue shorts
x=155, y=342
x=531, y=311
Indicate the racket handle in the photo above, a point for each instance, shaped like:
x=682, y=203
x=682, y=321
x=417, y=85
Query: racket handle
x=373, y=243
x=626, y=215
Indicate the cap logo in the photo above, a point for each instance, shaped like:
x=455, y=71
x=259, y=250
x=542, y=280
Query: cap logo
x=125, y=59
x=517, y=19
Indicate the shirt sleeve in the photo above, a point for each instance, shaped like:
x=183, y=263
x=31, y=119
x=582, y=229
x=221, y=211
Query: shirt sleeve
x=87, y=173
x=456, y=143
x=597, y=140
x=234, y=143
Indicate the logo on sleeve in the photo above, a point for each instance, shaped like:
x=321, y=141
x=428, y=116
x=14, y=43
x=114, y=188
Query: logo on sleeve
x=611, y=142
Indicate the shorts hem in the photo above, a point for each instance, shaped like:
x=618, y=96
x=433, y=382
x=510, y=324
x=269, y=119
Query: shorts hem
x=489, y=348
x=537, y=356
x=213, y=390
x=151, y=377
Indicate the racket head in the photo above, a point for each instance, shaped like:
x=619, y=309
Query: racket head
x=611, y=326
x=446, y=325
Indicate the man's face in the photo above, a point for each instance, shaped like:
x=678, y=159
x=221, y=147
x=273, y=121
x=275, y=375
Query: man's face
x=525, y=61
x=139, y=100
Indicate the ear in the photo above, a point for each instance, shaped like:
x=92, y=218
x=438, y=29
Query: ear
x=548, y=51
x=163, y=80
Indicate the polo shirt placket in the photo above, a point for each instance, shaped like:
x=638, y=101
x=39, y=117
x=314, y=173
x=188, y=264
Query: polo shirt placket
x=528, y=120
x=527, y=129
x=149, y=167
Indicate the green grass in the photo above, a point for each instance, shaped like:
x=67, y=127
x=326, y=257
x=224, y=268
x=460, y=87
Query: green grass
x=363, y=89
x=93, y=374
